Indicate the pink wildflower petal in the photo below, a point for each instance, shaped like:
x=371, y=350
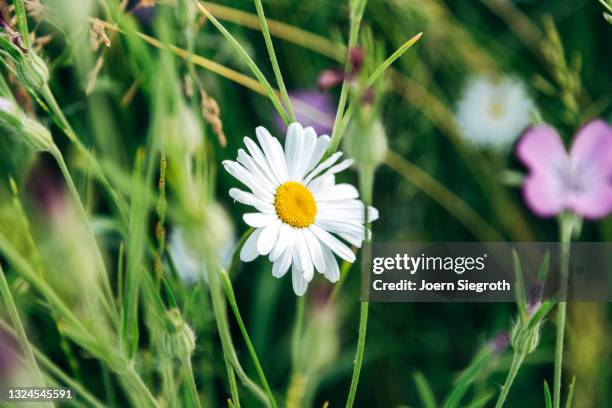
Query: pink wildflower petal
x=591, y=152
x=593, y=203
x=543, y=153
x=591, y=161
x=541, y=149
x=544, y=194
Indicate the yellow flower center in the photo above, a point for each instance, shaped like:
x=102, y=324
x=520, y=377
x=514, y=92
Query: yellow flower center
x=497, y=109
x=295, y=204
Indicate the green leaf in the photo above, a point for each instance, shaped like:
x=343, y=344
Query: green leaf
x=570, y=393
x=543, y=273
x=426, y=394
x=480, y=401
x=521, y=300
x=547, y=396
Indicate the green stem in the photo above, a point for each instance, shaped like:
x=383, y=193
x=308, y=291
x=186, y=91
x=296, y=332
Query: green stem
x=566, y=225
x=297, y=332
x=363, y=324
x=229, y=353
x=5, y=293
x=107, y=299
x=193, y=390
x=231, y=297
x=517, y=360
x=356, y=16
x=366, y=183
x=60, y=120
x=248, y=60
x=277, y=72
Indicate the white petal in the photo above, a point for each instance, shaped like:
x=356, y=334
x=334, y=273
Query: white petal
x=305, y=260
x=248, y=179
x=315, y=250
x=281, y=265
x=333, y=243
x=322, y=166
x=249, y=249
x=337, y=192
x=258, y=220
x=337, y=168
x=286, y=238
x=308, y=147
x=274, y=153
x=250, y=199
x=319, y=150
x=297, y=278
x=259, y=158
x=332, y=272
x=268, y=237
x=293, y=147
x=352, y=232
x=247, y=161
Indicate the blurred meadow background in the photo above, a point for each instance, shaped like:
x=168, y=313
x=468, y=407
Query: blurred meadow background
x=145, y=99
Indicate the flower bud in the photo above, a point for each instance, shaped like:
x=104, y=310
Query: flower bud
x=36, y=135
x=525, y=339
x=366, y=142
x=32, y=70
x=24, y=128
x=178, y=340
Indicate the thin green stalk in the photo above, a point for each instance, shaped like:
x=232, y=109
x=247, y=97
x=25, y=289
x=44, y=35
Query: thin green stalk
x=517, y=360
x=231, y=297
x=363, y=325
x=138, y=386
x=229, y=352
x=366, y=183
x=566, y=225
x=60, y=120
x=248, y=60
x=270, y=46
x=9, y=302
x=377, y=73
x=297, y=332
x=356, y=16
x=191, y=385
x=107, y=297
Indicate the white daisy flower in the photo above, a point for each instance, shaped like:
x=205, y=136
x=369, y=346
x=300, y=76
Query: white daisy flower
x=492, y=113
x=299, y=205
x=189, y=267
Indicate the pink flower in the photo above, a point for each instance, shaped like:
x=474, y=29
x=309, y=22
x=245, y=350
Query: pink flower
x=580, y=181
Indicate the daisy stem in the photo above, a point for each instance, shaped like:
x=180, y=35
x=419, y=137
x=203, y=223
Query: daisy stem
x=565, y=230
x=277, y=72
x=231, y=297
x=297, y=332
x=366, y=182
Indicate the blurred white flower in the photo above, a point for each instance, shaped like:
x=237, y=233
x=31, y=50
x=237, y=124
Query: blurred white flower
x=492, y=113
x=298, y=205
x=185, y=245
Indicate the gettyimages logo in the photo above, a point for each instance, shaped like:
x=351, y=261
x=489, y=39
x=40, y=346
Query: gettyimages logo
x=414, y=264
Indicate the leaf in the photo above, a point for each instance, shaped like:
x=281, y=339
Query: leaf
x=426, y=394
x=547, y=396
x=481, y=401
x=467, y=378
x=543, y=272
x=521, y=300
x=570, y=393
